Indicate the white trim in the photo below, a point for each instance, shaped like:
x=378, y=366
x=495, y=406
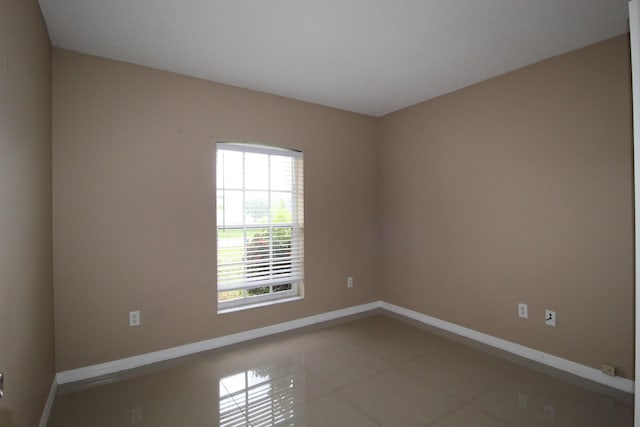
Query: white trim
x=247, y=284
x=520, y=350
x=260, y=303
x=46, y=411
x=634, y=27
x=247, y=147
x=183, y=350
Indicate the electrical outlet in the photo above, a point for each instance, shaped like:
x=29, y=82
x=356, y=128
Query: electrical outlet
x=550, y=318
x=523, y=400
x=523, y=310
x=609, y=369
x=134, y=318
x=349, y=282
x=549, y=412
x=136, y=415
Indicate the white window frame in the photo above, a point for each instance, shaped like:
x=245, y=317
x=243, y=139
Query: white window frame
x=296, y=224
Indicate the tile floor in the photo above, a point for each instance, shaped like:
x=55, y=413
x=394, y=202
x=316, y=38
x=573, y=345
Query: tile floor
x=368, y=371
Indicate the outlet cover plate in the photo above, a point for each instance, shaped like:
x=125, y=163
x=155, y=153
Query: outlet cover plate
x=550, y=318
x=134, y=318
x=523, y=310
x=609, y=369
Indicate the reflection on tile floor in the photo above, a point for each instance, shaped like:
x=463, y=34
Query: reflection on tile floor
x=369, y=371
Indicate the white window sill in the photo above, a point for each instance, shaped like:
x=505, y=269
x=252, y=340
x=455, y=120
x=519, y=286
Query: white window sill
x=259, y=304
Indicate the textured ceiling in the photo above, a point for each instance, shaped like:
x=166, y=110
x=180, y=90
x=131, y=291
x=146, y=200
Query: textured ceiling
x=367, y=56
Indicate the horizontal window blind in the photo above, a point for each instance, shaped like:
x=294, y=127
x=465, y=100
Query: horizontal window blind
x=260, y=211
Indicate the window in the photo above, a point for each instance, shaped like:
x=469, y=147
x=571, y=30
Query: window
x=259, y=224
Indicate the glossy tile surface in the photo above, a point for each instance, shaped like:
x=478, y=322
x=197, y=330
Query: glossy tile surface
x=368, y=371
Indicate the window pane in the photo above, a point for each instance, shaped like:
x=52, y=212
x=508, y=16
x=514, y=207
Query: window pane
x=280, y=288
x=256, y=171
x=219, y=206
x=256, y=207
x=281, y=208
x=231, y=212
x=281, y=242
x=231, y=255
x=259, y=291
x=231, y=295
x=258, y=254
x=229, y=169
x=281, y=173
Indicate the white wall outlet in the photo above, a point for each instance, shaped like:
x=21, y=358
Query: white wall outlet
x=550, y=318
x=136, y=415
x=523, y=400
x=549, y=412
x=523, y=310
x=349, y=282
x=609, y=369
x=134, y=318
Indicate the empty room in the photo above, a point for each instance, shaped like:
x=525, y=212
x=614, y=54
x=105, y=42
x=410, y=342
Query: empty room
x=318, y=213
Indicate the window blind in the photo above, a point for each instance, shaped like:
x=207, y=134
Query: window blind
x=260, y=217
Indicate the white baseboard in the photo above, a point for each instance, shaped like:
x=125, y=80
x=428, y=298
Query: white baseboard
x=520, y=350
x=183, y=350
x=46, y=411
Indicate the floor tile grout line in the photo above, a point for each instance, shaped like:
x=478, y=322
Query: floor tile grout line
x=438, y=388
x=244, y=412
x=499, y=376
x=329, y=391
x=369, y=417
x=463, y=404
x=484, y=411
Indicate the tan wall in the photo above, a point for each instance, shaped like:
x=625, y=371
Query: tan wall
x=134, y=205
x=519, y=189
x=26, y=294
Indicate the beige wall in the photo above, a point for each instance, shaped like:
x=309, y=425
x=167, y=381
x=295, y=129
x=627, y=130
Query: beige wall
x=134, y=205
x=519, y=189
x=26, y=316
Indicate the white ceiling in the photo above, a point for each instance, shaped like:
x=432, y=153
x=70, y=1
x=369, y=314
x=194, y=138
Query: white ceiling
x=368, y=56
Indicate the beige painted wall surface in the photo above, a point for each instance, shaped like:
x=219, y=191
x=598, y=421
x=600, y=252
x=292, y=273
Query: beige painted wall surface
x=26, y=294
x=134, y=205
x=519, y=189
